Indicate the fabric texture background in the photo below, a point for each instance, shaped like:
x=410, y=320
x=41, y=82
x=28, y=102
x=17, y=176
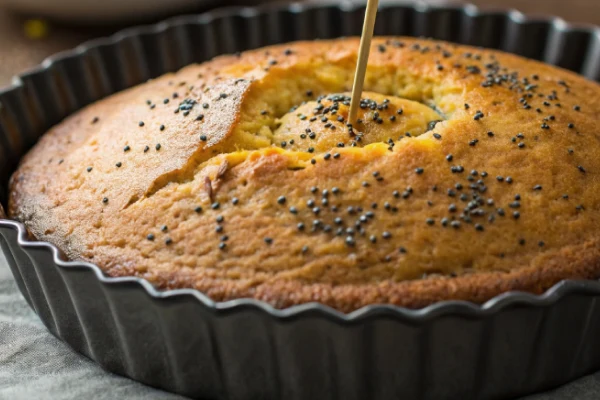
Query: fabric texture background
x=36, y=365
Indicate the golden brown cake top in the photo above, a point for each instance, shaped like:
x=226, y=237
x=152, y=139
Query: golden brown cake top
x=475, y=169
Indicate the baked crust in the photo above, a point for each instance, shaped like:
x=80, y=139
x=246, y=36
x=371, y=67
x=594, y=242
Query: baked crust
x=496, y=196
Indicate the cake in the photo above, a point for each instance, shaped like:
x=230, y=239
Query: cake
x=469, y=173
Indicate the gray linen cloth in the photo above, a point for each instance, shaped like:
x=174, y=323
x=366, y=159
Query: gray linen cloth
x=36, y=365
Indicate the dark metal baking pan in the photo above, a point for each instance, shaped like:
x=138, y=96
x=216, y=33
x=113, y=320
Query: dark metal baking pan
x=182, y=341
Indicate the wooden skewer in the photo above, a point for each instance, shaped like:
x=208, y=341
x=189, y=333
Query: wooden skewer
x=363, y=57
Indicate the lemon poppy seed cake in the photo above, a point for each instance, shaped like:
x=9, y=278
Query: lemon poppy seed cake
x=469, y=172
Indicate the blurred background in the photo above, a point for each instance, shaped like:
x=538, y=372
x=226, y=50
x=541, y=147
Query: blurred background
x=31, y=30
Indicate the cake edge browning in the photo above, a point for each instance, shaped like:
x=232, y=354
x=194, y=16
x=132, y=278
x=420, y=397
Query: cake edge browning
x=580, y=262
x=573, y=262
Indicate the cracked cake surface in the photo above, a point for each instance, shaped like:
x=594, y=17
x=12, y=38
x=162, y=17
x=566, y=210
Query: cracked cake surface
x=470, y=172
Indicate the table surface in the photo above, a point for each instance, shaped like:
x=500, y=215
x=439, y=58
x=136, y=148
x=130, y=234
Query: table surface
x=18, y=52
x=33, y=363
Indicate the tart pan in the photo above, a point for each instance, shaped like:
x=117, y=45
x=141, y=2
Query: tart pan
x=184, y=342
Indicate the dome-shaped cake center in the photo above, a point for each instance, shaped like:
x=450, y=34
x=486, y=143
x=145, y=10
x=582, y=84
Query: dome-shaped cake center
x=323, y=124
